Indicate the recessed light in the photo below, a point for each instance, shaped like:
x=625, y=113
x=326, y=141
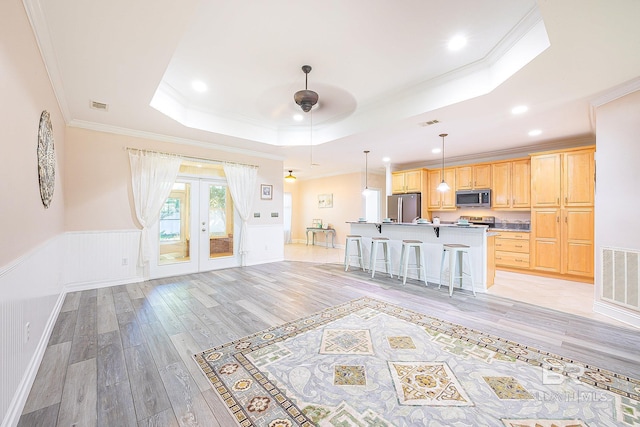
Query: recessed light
x=535, y=132
x=519, y=109
x=436, y=150
x=298, y=117
x=386, y=159
x=199, y=86
x=457, y=42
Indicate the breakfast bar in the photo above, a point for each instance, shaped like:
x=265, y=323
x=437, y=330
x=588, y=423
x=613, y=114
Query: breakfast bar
x=433, y=236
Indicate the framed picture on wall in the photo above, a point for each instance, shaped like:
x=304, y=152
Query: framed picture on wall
x=325, y=200
x=266, y=192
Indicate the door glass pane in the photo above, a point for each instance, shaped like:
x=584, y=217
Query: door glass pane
x=174, y=225
x=220, y=221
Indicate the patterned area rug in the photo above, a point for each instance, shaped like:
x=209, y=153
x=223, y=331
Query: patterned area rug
x=370, y=363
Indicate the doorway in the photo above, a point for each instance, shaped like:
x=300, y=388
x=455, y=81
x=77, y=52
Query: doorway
x=196, y=230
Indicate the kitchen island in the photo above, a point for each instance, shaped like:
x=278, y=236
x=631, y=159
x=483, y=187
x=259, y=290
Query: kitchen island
x=433, y=237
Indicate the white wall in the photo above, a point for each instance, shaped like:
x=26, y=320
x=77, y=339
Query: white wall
x=617, y=180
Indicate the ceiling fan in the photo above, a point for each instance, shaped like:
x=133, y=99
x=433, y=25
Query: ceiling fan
x=306, y=99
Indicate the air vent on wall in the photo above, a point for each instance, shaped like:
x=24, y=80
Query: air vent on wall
x=430, y=122
x=99, y=106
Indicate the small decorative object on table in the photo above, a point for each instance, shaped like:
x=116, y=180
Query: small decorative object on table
x=316, y=223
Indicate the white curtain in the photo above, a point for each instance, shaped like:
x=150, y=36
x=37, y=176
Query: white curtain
x=242, y=183
x=152, y=177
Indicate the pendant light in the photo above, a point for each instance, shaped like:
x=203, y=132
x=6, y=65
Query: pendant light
x=366, y=173
x=290, y=177
x=443, y=186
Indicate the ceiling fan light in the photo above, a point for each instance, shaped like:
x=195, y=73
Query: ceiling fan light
x=290, y=177
x=306, y=99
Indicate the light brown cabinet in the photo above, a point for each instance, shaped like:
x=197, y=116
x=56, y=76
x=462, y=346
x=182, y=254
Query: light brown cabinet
x=438, y=201
x=409, y=181
x=562, y=214
x=473, y=177
x=512, y=249
x=562, y=179
x=511, y=187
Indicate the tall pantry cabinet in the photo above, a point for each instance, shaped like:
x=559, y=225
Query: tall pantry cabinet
x=562, y=200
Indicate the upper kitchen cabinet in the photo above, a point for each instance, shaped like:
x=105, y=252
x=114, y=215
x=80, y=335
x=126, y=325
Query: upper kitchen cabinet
x=409, y=181
x=511, y=187
x=473, y=177
x=438, y=201
x=563, y=178
x=578, y=179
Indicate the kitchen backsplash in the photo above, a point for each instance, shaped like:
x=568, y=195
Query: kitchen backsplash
x=501, y=216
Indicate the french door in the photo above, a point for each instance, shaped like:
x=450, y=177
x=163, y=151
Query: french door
x=197, y=229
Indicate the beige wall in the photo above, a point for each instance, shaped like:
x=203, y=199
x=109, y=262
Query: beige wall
x=99, y=179
x=25, y=92
x=348, y=202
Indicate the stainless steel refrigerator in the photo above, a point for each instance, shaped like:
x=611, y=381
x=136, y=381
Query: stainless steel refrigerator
x=403, y=207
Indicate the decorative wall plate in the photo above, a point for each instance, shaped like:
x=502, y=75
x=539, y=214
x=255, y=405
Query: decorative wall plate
x=46, y=159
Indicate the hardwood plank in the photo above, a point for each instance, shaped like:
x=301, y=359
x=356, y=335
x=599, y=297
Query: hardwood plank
x=106, y=316
x=71, y=301
x=149, y=395
x=122, y=302
x=79, y=398
x=165, y=418
x=115, y=405
x=159, y=344
x=205, y=299
x=218, y=407
x=188, y=404
x=64, y=327
x=48, y=384
x=144, y=311
x=130, y=331
x=45, y=417
x=134, y=291
x=187, y=347
x=110, y=360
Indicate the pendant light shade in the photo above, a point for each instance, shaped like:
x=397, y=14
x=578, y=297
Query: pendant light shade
x=290, y=177
x=366, y=173
x=306, y=99
x=443, y=186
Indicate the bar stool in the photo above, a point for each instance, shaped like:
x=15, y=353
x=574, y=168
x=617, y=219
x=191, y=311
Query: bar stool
x=375, y=242
x=420, y=265
x=456, y=254
x=351, y=239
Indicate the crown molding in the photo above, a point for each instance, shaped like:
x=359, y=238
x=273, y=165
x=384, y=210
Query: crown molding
x=616, y=92
x=172, y=139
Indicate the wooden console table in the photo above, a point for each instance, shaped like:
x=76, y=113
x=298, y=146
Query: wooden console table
x=326, y=231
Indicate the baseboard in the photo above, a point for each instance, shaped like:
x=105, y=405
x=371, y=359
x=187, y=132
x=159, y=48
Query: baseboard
x=86, y=286
x=617, y=313
x=14, y=411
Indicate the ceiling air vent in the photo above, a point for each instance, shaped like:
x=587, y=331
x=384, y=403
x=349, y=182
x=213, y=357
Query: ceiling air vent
x=429, y=123
x=99, y=106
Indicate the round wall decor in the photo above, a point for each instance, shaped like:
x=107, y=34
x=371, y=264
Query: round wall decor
x=46, y=159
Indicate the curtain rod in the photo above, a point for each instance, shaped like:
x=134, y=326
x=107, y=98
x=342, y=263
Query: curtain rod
x=197, y=159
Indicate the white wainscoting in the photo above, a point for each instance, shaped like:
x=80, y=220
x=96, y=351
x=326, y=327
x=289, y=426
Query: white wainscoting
x=31, y=291
x=101, y=258
x=266, y=244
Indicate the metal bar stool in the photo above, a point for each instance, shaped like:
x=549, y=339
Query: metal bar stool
x=456, y=254
x=357, y=240
x=375, y=242
x=420, y=265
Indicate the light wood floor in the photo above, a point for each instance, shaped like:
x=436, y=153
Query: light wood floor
x=121, y=356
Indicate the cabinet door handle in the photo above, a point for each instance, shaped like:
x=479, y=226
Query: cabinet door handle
x=518, y=246
x=557, y=219
x=566, y=198
x=558, y=201
x=566, y=221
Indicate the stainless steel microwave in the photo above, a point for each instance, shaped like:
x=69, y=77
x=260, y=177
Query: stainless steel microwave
x=473, y=198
